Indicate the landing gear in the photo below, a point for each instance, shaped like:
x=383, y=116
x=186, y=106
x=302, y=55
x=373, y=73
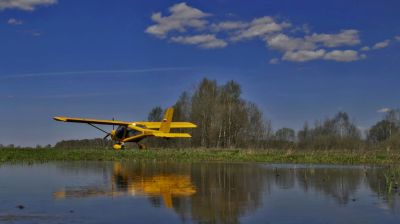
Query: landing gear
x=118, y=146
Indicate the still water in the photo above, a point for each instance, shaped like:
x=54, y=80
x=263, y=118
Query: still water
x=161, y=192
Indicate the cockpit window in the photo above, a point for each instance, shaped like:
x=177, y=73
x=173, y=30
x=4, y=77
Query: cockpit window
x=132, y=132
x=120, y=132
x=124, y=132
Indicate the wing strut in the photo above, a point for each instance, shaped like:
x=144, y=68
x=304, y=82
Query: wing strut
x=98, y=128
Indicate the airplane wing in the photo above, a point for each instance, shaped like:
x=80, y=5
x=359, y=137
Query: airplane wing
x=157, y=125
x=149, y=125
x=172, y=135
x=91, y=121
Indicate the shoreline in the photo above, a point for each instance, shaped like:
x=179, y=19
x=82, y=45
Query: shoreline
x=339, y=157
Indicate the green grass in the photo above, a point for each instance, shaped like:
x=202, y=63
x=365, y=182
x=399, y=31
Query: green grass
x=197, y=155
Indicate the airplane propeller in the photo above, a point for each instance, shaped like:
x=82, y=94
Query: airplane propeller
x=105, y=137
x=108, y=134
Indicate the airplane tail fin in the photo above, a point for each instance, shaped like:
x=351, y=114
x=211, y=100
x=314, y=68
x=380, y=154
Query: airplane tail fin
x=166, y=122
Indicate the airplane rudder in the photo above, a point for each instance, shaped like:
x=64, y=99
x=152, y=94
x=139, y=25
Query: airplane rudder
x=167, y=119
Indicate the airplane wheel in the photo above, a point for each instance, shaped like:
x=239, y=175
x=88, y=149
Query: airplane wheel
x=118, y=147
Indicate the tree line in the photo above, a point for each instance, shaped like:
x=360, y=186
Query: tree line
x=226, y=120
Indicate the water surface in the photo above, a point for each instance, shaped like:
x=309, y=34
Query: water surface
x=165, y=192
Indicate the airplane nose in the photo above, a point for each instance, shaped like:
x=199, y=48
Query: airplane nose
x=113, y=134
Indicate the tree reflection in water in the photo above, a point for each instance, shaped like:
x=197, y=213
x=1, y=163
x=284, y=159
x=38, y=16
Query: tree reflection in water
x=338, y=183
x=225, y=192
x=386, y=184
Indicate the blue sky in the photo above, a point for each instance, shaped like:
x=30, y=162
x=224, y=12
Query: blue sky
x=298, y=60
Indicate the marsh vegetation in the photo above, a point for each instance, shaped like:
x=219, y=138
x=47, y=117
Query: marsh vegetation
x=203, y=155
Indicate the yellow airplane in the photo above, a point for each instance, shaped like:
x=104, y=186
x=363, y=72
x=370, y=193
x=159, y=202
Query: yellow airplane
x=136, y=131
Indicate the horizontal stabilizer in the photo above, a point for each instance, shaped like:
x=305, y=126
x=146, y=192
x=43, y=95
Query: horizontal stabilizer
x=157, y=125
x=172, y=135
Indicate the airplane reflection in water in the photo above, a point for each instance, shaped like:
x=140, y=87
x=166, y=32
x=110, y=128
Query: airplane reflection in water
x=127, y=182
x=228, y=192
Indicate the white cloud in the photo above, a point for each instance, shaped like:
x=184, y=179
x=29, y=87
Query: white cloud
x=27, y=5
x=305, y=28
x=384, y=110
x=15, y=22
x=381, y=44
x=283, y=42
x=342, y=56
x=345, y=37
x=182, y=17
x=204, y=41
x=188, y=25
x=363, y=56
x=260, y=27
x=229, y=25
x=274, y=61
x=303, y=55
x=365, y=48
x=301, y=51
x=36, y=34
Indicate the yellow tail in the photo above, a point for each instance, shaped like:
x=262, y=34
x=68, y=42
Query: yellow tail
x=166, y=122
